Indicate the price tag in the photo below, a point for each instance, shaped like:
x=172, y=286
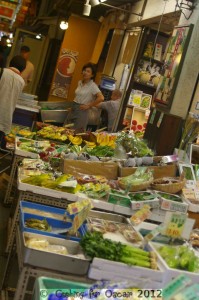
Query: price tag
x=177, y=225
x=152, y=116
x=189, y=194
x=197, y=194
x=160, y=120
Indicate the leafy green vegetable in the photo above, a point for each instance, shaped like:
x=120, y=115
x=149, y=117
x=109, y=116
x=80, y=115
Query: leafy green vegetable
x=101, y=151
x=94, y=245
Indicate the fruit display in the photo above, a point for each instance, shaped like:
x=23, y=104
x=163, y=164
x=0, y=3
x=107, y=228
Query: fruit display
x=181, y=257
x=94, y=245
x=54, y=133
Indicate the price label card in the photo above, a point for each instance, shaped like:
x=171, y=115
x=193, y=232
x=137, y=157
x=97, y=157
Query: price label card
x=189, y=194
x=177, y=225
x=152, y=116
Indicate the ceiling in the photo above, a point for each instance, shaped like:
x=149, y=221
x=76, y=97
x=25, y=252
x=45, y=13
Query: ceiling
x=67, y=7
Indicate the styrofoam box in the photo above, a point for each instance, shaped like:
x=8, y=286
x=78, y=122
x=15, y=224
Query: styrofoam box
x=172, y=273
x=123, y=210
x=99, y=204
x=113, y=268
x=45, y=191
x=64, y=263
x=172, y=205
x=141, y=282
x=154, y=203
x=24, y=153
x=192, y=207
x=53, y=223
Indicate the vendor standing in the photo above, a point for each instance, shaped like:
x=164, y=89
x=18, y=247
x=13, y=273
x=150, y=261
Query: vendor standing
x=87, y=95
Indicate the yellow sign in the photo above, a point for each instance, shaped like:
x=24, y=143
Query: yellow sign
x=175, y=226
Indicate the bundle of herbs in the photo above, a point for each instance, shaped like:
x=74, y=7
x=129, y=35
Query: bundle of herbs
x=94, y=245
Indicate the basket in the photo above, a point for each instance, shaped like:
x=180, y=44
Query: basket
x=137, y=187
x=171, y=188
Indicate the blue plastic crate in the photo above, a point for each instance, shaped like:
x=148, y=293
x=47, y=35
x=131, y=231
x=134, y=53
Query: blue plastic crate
x=46, y=288
x=52, y=222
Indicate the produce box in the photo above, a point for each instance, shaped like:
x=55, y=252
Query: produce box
x=61, y=219
x=112, y=270
x=53, y=285
x=172, y=273
x=158, y=171
x=77, y=167
x=141, y=198
x=74, y=262
x=120, y=198
x=43, y=191
x=171, y=202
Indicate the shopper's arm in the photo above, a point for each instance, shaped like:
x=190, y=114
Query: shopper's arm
x=99, y=99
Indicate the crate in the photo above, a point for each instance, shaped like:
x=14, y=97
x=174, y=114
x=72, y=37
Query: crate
x=51, y=285
x=54, y=116
x=73, y=263
x=54, y=215
x=153, y=203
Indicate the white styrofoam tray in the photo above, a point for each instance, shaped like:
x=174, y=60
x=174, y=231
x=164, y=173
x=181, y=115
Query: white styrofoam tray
x=113, y=268
x=24, y=153
x=141, y=282
x=100, y=204
x=172, y=273
x=70, y=263
x=170, y=205
x=192, y=207
x=45, y=191
x=153, y=203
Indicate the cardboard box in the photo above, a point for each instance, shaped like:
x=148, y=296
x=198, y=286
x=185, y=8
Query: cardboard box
x=78, y=167
x=158, y=171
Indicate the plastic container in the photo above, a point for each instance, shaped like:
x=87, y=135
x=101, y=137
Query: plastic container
x=51, y=285
x=73, y=263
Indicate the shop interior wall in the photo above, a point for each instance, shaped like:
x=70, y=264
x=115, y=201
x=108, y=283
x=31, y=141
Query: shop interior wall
x=189, y=74
x=195, y=104
x=80, y=36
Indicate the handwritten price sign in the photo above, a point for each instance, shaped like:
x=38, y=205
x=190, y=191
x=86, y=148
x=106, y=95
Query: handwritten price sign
x=175, y=225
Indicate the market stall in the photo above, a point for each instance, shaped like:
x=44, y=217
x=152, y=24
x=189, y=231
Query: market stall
x=113, y=183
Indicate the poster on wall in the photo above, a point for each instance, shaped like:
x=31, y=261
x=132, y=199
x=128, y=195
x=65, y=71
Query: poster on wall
x=64, y=73
x=174, y=58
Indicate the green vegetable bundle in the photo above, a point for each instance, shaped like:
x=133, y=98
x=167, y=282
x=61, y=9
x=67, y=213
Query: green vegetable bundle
x=133, y=144
x=182, y=257
x=38, y=224
x=94, y=245
x=101, y=151
x=140, y=176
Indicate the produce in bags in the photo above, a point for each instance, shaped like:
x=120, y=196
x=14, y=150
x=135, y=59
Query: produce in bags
x=94, y=245
x=181, y=257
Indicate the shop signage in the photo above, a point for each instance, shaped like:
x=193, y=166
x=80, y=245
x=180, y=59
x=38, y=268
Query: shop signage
x=64, y=72
x=6, y=12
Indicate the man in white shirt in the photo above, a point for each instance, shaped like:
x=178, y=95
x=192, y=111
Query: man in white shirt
x=111, y=107
x=11, y=85
x=27, y=74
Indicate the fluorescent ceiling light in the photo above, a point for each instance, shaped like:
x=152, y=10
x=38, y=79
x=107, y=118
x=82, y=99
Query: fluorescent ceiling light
x=94, y=2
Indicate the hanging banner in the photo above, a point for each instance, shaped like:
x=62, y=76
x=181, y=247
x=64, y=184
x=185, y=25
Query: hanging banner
x=64, y=72
x=7, y=12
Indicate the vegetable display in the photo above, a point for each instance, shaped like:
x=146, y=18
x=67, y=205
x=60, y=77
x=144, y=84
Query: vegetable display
x=133, y=145
x=181, y=257
x=94, y=245
x=38, y=224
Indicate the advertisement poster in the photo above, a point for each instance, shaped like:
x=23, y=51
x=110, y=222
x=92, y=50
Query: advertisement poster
x=64, y=73
x=173, y=64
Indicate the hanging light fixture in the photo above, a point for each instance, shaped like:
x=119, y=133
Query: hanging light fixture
x=87, y=8
x=63, y=25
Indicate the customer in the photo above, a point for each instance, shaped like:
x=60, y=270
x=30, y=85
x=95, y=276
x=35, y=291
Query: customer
x=27, y=74
x=4, y=51
x=11, y=85
x=87, y=95
x=111, y=107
